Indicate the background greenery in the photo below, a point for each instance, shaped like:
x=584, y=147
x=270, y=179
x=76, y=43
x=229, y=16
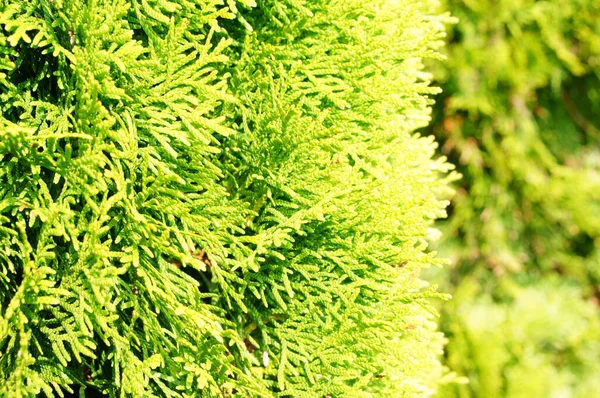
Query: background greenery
x=520, y=117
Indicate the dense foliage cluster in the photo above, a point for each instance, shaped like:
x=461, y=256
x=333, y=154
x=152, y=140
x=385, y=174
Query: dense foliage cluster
x=209, y=198
x=519, y=118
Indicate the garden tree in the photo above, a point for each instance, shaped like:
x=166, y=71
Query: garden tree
x=208, y=198
x=519, y=117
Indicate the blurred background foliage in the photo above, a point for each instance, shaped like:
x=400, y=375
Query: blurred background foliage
x=520, y=117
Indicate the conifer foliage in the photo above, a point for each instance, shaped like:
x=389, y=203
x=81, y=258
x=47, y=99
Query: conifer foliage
x=208, y=198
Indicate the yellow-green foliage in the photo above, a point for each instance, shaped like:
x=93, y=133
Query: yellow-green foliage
x=537, y=341
x=207, y=198
x=519, y=118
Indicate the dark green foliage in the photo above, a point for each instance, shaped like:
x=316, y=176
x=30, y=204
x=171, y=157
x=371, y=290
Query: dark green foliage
x=202, y=198
x=519, y=117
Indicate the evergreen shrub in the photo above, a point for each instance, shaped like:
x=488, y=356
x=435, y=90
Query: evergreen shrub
x=217, y=198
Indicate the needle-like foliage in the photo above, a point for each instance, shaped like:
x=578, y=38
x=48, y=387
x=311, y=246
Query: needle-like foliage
x=208, y=198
